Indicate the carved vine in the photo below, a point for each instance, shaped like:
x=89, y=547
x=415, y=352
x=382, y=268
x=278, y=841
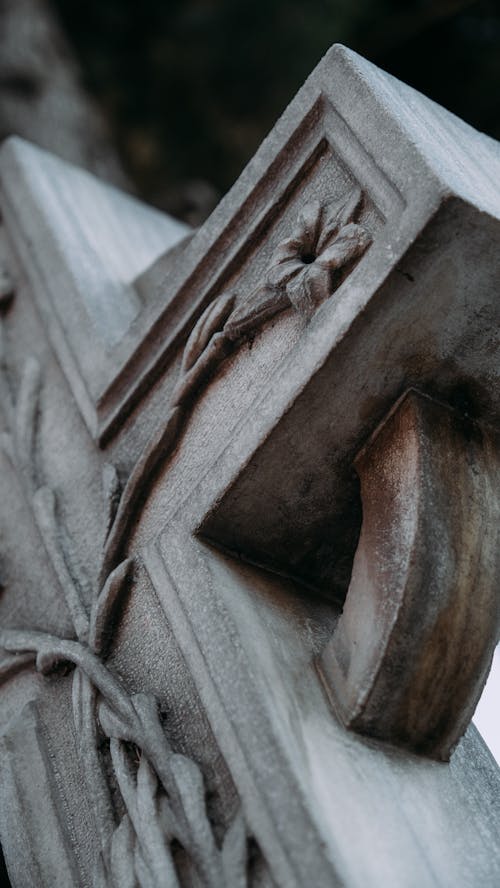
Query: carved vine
x=162, y=791
x=305, y=269
x=163, y=794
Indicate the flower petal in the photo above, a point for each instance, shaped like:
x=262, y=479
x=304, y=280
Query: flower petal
x=329, y=228
x=295, y=288
x=308, y=290
x=262, y=304
x=308, y=226
x=337, y=214
x=280, y=273
x=351, y=241
x=290, y=248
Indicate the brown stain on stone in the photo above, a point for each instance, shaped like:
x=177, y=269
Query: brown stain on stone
x=422, y=597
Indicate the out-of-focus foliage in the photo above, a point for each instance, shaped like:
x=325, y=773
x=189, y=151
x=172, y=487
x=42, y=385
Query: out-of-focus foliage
x=192, y=86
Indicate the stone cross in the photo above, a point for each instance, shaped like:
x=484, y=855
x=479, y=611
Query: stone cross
x=249, y=510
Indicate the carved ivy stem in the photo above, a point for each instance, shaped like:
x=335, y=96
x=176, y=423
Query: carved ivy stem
x=139, y=795
x=411, y=652
x=204, y=350
x=84, y=700
x=49, y=651
x=305, y=269
x=166, y=799
x=327, y=238
x=135, y=719
x=44, y=507
x=20, y=446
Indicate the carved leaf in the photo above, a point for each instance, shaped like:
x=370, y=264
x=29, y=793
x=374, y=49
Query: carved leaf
x=234, y=853
x=106, y=606
x=26, y=417
x=7, y=445
x=263, y=303
x=6, y=398
x=44, y=507
x=21, y=416
x=84, y=698
x=112, y=491
x=121, y=863
x=210, y=322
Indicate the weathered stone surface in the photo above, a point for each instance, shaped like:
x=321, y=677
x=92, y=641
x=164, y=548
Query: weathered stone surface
x=409, y=655
x=180, y=512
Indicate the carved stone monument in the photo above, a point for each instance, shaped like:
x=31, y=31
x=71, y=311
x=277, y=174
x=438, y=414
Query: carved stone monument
x=249, y=510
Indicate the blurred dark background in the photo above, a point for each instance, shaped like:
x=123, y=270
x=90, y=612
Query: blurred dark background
x=188, y=88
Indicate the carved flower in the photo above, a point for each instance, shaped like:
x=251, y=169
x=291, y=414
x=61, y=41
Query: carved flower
x=326, y=238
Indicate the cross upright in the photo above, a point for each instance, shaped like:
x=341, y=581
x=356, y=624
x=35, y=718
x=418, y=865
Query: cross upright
x=249, y=510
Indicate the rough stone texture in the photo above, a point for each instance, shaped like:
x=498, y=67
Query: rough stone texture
x=180, y=513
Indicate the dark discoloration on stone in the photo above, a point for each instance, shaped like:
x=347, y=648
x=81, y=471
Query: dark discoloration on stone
x=410, y=655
